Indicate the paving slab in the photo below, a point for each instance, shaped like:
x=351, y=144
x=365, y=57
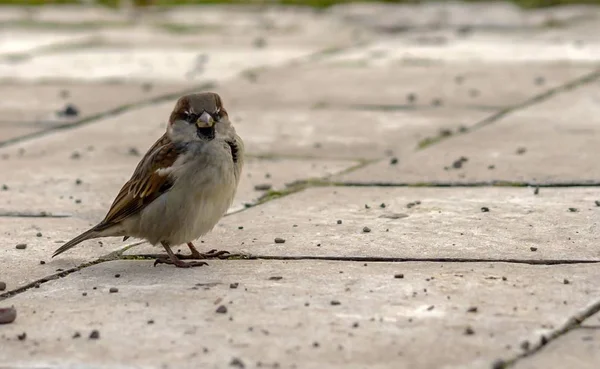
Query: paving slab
x=480, y=47
x=538, y=144
x=580, y=348
x=394, y=18
x=359, y=316
x=43, y=235
x=344, y=133
x=447, y=223
x=32, y=107
x=408, y=88
x=25, y=41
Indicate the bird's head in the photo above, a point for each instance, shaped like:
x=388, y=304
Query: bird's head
x=198, y=117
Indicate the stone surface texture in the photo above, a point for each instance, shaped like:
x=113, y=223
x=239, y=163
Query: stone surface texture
x=421, y=187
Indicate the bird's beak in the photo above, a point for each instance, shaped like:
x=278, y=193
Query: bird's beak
x=205, y=121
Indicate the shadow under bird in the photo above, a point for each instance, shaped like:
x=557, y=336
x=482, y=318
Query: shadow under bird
x=182, y=187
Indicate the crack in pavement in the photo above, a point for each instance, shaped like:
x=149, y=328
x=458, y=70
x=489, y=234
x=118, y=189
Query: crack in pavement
x=115, y=255
x=574, y=322
x=591, y=183
x=25, y=214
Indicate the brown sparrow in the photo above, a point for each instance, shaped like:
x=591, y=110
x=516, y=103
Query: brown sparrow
x=184, y=184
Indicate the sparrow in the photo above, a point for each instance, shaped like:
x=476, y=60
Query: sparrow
x=183, y=185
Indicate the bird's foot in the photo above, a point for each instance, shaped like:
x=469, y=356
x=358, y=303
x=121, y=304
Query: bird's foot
x=212, y=254
x=178, y=263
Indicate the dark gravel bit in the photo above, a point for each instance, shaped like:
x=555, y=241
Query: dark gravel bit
x=335, y=302
x=95, y=334
x=399, y=276
x=355, y=325
x=8, y=315
x=472, y=309
x=39, y=234
x=315, y=344
x=536, y=191
x=566, y=281
x=75, y=155
x=485, y=209
x=275, y=278
x=534, y=249
x=597, y=202
x=382, y=205
x=414, y=203
x=458, y=163
x=367, y=206
x=394, y=216
x=339, y=222
x=499, y=364
x=21, y=246
x=241, y=227
x=22, y=336
x=525, y=345
x=263, y=187
x=234, y=285
x=431, y=308
x=235, y=362
x=113, y=290
x=366, y=229
x=221, y=309
x=84, y=294
x=279, y=240
x=469, y=331
x=2, y=286
x=573, y=210
x=491, y=167
x=394, y=161
x=411, y=98
x=543, y=340
x=150, y=322
x=4, y=187
x=521, y=150
x=117, y=275
x=76, y=335
x=78, y=181
x=69, y=111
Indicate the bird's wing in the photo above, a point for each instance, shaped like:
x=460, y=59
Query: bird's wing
x=149, y=181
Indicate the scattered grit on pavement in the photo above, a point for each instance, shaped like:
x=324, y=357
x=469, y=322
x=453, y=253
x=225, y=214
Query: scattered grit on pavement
x=421, y=188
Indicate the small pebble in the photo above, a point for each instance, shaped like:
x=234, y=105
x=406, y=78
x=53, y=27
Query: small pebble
x=42, y=262
x=411, y=98
x=394, y=161
x=472, y=309
x=597, y=202
x=113, y=290
x=533, y=248
x=21, y=246
x=525, y=345
x=469, y=331
x=566, y=281
x=117, y=275
x=150, y=322
x=399, y=276
x=573, y=210
x=536, y=191
x=221, y=309
x=95, y=334
x=8, y=315
x=75, y=155
x=22, y=336
x=339, y=222
x=335, y=302
x=39, y=234
x=263, y=187
x=235, y=362
x=2, y=286
x=69, y=111
x=382, y=205
x=275, y=278
x=485, y=209
x=521, y=150
x=4, y=187
x=366, y=229
x=76, y=335
x=279, y=240
x=491, y=167
x=234, y=285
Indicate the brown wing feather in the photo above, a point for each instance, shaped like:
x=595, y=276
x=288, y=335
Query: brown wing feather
x=144, y=186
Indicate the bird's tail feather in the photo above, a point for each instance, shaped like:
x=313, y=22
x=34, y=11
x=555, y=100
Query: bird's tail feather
x=87, y=235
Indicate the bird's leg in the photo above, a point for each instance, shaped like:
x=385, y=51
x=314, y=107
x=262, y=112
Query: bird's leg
x=172, y=259
x=205, y=255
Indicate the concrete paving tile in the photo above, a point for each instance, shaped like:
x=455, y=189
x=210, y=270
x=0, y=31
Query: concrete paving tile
x=393, y=18
x=28, y=108
x=447, y=223
x=359, y=316
x=23, y=266
x=148, y=64
x=409, y=88
x=580, y=348
x=13, y=41
x=480, y=47
x=538, y=144
x=345, y=133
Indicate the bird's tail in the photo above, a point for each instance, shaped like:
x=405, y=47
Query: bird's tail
x=87, y=235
